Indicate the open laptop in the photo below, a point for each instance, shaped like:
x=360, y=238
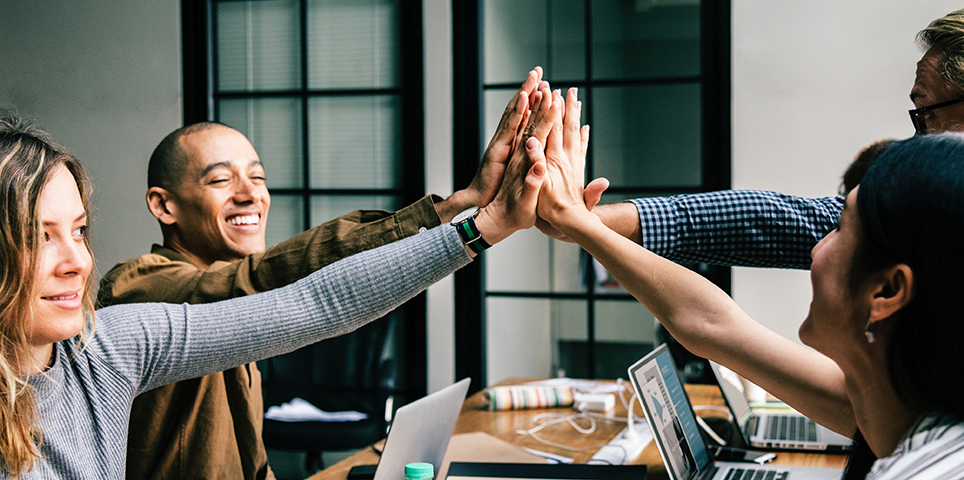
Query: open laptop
x=785, y=431
x=421, y=431
x=673, y=423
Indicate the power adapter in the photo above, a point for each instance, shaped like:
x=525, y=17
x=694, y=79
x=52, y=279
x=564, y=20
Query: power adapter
x=595, y=402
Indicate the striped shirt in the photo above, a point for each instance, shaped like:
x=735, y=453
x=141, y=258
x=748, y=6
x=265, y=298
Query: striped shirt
x=748, y=228
x=932, y=449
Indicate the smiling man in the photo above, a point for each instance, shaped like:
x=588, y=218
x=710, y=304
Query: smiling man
x=206, y=187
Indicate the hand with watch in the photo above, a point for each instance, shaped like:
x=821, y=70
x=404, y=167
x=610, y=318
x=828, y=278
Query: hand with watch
x=514, y=205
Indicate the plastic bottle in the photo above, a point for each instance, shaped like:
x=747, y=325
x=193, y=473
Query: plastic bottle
x=419, y=471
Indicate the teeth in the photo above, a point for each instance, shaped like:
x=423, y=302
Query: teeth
x=244, y=220
x=67, y=297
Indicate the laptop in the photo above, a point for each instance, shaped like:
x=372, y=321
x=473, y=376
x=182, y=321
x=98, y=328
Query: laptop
x=771, y=430
x=421, y=432
x=673, y=423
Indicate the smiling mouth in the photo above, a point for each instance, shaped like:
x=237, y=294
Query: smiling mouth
x=60, y=297
x=244, y=220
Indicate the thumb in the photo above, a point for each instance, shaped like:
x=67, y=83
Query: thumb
x=535, y=151
x=593, y=192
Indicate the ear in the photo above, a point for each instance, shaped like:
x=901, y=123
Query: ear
x=162, y=205
x=893, y=292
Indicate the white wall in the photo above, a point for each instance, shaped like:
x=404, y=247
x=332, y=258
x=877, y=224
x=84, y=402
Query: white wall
x=103, y=77
x=813, y=83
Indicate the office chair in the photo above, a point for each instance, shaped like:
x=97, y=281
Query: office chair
x=356, y=371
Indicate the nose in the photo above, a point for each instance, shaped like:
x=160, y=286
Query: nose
x=248, y=191
x=73, y=259
x=820, y=244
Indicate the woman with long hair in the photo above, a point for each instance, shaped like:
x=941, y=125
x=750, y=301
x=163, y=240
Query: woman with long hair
x=66, y=388
x=885, y=322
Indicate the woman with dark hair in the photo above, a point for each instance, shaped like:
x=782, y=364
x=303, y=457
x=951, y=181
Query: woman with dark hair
x=885, y=320
x=66, y=388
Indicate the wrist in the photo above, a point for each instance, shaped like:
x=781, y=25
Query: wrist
x=457, y=202
x=493, y=229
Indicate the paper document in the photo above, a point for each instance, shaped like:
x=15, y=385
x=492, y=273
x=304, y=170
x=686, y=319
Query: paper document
x=299, y=410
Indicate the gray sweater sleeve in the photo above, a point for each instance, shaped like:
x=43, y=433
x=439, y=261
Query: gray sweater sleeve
x=157, y=344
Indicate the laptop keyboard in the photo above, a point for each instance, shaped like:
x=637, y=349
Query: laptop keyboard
x=751, y=474
x=791, y=428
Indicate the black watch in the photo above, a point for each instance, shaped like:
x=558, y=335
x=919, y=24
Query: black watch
x=471, y=236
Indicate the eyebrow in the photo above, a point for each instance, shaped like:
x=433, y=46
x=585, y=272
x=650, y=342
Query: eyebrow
x=82, y=216
x=216, y=165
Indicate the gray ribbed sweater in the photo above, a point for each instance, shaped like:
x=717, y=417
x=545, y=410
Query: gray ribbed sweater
x=84, y=400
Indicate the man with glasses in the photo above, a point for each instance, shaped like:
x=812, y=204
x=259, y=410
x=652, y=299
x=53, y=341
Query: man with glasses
x=767, y=229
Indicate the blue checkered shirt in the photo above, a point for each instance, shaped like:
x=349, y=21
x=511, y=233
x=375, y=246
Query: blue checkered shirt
x=749, y=228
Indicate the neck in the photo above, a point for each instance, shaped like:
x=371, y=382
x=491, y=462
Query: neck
x=37, y=360
x=882, y=417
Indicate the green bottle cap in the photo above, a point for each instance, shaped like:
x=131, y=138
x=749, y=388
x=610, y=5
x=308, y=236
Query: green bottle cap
x=416, y=471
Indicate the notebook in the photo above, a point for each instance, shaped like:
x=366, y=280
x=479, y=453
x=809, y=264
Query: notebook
x=785, y=431
x=673, y=423
x=421, y=431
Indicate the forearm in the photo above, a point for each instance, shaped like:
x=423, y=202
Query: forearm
x=736, y=227
x=708, y=323
x=186, y=341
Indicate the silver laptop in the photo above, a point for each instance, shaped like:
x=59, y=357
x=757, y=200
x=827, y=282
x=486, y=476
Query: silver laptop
x=421, y=431
x=784, y=431
x=673, y=423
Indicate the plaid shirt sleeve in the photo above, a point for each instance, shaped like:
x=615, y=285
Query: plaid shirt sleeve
x=749, y=228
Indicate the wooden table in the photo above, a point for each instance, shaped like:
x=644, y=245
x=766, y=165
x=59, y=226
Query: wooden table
x=503, y=425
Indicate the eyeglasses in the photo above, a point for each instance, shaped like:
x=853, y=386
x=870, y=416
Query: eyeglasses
x=917, y=114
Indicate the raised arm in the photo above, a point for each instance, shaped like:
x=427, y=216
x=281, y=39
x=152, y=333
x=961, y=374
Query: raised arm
x=701, y=316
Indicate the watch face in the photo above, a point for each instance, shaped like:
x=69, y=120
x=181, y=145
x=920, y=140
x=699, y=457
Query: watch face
x=464, y=215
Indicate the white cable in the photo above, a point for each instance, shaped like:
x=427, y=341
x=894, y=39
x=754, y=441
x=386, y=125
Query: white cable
x=709, y=431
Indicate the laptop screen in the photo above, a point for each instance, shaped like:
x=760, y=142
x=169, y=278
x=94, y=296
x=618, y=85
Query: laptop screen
x=669, y=414
x=733, y=397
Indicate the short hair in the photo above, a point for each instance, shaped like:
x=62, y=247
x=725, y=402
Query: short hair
x=168, y=163
x=947, y=35
x=28, y=159
x=911, y=208
x=855, y=172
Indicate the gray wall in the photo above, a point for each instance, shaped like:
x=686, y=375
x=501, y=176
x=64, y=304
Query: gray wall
x=103, y=77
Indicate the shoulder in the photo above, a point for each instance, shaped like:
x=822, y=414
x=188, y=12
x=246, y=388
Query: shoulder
x=140, y=279
x=932, y=448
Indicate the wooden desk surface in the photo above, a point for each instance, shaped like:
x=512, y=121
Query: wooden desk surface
x=503, y=425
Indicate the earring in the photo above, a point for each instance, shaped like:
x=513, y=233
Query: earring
x=869, y=331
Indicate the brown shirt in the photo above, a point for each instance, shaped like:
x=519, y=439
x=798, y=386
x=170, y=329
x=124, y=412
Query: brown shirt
x=210, y=427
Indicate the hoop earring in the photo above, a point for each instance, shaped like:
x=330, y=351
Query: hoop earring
x=869, y=331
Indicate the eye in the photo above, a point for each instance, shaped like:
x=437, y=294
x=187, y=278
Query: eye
x=80, y=231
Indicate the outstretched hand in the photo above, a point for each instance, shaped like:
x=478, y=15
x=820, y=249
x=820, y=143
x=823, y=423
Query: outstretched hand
x=507, y=137
x=562, y=191
x=514, y=205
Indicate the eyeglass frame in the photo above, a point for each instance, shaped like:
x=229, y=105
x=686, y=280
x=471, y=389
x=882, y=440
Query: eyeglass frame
x=917, y=118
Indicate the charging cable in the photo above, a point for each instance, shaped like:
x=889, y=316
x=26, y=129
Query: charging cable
x=702, y=423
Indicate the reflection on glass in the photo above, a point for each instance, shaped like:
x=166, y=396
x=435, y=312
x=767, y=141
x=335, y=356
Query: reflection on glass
x=645, y=38
x=647, y=136
x=353, y=44
x=273, y=126
x=520, y=35
x=285, y=218
x=258, y=45
x=529, y=261
x=525, y=337
x=354, y=142
x=327, y=207
x=625, y=332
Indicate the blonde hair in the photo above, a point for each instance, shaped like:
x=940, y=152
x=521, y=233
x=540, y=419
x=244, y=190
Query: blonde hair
x=28, y=158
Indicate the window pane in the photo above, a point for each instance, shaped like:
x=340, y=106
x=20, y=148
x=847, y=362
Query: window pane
x=532, y=262
x=273, y=125
x=327, y=207
x=645, y=38
x=353, y=44
x=625, y=332
x=521, y=332
x=285, y=218
x=520, y=35
x=258, y=45
x=647, y=136
x=355, y=142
